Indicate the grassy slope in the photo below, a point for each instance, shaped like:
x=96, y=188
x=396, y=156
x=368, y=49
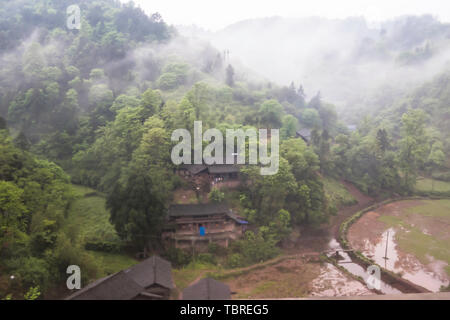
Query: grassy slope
x=284, y=283
x=186, y=275
x=91, y=219
x=425, y=184
x=271, y=279
x=336, y=193
x=89, y=215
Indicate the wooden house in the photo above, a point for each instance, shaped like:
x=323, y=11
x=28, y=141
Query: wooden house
x=197, y=225
x=206, y=176
x=223, y=172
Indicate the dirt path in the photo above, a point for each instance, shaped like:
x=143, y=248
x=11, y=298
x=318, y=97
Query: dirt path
x=364, y=201
x=317, y=239
x=291, y=275
x=199, y=277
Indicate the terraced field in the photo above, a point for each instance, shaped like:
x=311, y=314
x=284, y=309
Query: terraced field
x=411, y=238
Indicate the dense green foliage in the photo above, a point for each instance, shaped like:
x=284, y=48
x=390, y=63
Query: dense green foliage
x=35, y=246
x=100, y=104
x=400, y=142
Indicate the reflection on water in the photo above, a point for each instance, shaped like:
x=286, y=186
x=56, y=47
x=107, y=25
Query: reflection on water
x=356, y=269
x=385, y=253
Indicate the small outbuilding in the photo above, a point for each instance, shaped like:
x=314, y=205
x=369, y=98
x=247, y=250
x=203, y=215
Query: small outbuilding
x=305, y=134
x=207, y=289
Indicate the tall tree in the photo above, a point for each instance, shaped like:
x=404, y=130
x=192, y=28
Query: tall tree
x=324, y=151
x=230, y=76
x=382, y=140
x=137, y=211
x=289, y=128
x=3, y=124
x=436, y=159
x=413, y=146
x=271, y=112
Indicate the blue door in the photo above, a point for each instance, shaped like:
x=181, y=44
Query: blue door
x=202, y=231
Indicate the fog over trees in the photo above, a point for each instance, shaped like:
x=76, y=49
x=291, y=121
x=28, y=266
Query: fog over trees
x=86, y=118
x=349, y=60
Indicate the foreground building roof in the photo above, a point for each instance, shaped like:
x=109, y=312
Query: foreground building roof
x=130, y=283
x=154, y=270
x=207, y=289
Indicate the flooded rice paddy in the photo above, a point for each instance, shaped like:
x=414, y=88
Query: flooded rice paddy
x=357, y=270
x=408, y=239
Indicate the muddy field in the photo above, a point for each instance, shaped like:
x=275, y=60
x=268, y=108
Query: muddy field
x=332, y=282
x=295, y=278
x=410, y=238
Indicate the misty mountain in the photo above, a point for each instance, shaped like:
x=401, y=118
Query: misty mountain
x=347, y=60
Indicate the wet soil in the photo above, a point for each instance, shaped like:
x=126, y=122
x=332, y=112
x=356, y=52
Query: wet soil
x=379, y=242
x=332, y=282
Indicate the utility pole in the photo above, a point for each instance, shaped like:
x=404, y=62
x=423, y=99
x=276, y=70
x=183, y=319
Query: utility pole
x=385, y=253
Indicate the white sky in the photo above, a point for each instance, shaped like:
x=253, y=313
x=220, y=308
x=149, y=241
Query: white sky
x=216, y=14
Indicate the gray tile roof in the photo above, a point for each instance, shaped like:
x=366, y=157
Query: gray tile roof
x=223, y=168
x=206, y=209
x=194, y=168
x=213, y=168
x=305, y=133
x=128, y=284
x=154, y=270
x=207, y=289
x=114, y=287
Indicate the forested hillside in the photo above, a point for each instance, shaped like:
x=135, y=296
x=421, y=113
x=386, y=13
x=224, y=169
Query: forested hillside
x=434, y=99
x=102, y=103
x=36, y=245
x=96, y=107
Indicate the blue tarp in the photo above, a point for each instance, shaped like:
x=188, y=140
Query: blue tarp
x=202, y=231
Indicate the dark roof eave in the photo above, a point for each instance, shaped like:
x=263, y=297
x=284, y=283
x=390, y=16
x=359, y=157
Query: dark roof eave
x=180, y=210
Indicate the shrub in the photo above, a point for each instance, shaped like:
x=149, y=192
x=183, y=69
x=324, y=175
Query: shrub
x=206, y=258
x=217, y=250
x=177, y=257
x=253, y=249
x=174, y=75
x=31, y=271
x=32, y=294
x=104, y=246
x=236, y=260
x=216, y=195
x=168, y=81
x=257, y=249
x=442, y=176
x=332, y=209
x=445, y=289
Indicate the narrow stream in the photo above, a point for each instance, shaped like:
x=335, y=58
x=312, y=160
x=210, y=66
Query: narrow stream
x=356, y=269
